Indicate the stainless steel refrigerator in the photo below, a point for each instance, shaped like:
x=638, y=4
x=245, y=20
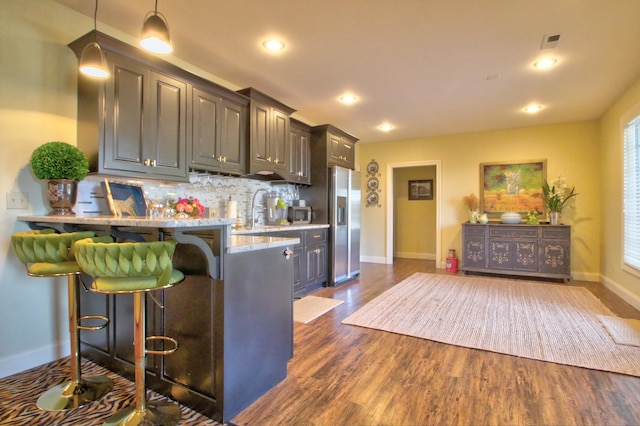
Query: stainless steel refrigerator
x=344, y=223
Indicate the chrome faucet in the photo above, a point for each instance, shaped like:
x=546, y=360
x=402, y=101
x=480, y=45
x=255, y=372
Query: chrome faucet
x=253, y=206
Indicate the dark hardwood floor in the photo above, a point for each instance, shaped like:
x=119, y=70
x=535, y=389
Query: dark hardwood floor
x=347, y=375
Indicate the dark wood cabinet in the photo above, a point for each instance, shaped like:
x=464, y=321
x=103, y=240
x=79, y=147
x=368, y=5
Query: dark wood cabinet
x=530, y=250
x=327, y=145
x=235, y=334
x=145, y=121
x=298, y=155
x=316, y=259
x=269, y=133
x=152, y=119
x=309, y=258
x=341, y=151
x=219, y=133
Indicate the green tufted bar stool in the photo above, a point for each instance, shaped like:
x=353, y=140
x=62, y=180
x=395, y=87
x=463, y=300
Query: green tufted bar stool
x=48, y=254
x=135, y=268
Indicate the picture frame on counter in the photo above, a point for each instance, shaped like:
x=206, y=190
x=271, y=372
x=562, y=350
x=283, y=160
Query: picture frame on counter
x=124, y=199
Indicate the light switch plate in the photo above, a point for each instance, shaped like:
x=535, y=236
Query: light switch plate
x=17, y=200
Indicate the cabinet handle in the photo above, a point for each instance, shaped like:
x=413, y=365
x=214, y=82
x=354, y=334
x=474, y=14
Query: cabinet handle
x=268, y=159
x=147, y=162
x=316, y=236
x=224, y=159
x=153, y=163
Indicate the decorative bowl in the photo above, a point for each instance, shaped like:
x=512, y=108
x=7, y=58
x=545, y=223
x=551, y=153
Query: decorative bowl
x=510, y=217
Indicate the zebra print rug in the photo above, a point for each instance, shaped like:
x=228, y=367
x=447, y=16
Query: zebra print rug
x=19, y=393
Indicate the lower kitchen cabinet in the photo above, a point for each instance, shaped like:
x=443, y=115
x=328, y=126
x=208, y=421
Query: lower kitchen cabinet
x=530, y=250
x=309, y=259
x=235, y=334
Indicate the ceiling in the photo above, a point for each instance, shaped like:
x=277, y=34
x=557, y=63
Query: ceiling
x=428, y=67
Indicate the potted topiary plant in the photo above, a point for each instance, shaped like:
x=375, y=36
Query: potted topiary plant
x=63, y=165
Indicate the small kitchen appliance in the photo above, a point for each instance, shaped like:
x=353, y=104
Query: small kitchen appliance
x=299, y=215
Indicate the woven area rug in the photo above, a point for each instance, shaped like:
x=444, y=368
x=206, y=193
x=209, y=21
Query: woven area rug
x=19, y=393
x=540, y=321
x=309, y=308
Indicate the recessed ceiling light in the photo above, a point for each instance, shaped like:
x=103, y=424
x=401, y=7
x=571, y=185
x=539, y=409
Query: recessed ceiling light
x=545, y=63
x=385, y=127
x=273, y=45
x=348, y=99
x=532, y=109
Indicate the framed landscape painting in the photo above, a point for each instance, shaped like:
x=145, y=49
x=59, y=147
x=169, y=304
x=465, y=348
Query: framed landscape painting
x=510, y=186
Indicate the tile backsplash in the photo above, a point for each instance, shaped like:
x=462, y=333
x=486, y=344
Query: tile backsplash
x=213, y=191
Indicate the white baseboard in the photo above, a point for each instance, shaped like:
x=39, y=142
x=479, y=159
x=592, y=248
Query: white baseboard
x=412, y=255
x=629, y=297
x=24, y=361
x=373, y=259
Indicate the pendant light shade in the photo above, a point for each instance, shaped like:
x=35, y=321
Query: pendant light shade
x=92, y=62
x=155, y=33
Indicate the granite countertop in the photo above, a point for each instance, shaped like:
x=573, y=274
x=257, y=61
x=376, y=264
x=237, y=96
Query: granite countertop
x=132, y=221
x=277, y=228
x=242, y=243
x=235, y=243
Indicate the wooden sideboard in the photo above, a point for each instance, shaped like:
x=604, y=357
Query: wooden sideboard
x=530, y=250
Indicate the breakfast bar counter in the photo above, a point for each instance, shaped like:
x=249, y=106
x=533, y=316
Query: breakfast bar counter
x=232, y=315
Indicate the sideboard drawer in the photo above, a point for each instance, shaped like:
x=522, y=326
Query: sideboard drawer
x=556, y=232
x=521, y=231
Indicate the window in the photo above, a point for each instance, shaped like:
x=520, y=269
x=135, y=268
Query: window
x=631, y=201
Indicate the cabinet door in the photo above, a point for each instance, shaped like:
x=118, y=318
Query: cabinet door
x=304, y=160
x=474, y=250
x=525, y=257
x=501, y=253
x=145, y=122
x=166, y=124
x=206, y=129
x=348, y=154
x=123, y=145
x=232, y=137
x=279, y=139
x=298, y=159
x=259, y=150
x=335, y=150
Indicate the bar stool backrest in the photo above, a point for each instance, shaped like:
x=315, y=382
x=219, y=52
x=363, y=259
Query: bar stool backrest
x=120, y=260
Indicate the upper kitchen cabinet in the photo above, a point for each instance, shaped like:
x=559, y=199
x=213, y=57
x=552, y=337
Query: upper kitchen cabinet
x=152, y=119
x=339, y=146
x=299, y=153
x=219, y=132
x=269, y=133
x=134, y=123
x=145, y=122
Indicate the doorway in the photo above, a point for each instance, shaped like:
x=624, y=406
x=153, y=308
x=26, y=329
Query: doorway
x=391, y=206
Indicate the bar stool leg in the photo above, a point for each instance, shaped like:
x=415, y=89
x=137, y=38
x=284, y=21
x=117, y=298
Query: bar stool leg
x=146, y=413
x=78, y=391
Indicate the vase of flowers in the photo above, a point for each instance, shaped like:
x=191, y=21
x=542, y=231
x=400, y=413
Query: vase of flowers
x=188, y=207
x=555, y=197
x=471, y=201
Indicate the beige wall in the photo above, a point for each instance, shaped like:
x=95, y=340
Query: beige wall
x=414, y=220
x=623, y=282
x=571, y=149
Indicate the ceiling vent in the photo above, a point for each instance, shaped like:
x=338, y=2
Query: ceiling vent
x=550, y=41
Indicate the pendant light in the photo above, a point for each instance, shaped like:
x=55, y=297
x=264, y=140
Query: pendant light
x=155, y=33
x=92, y=62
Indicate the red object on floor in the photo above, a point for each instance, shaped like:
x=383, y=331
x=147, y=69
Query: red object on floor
x=452, y=264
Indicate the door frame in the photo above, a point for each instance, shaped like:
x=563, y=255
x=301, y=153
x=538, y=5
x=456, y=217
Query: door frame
x=391, y=204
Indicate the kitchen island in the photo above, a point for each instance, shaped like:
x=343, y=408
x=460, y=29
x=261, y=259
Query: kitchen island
x=232, y=316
